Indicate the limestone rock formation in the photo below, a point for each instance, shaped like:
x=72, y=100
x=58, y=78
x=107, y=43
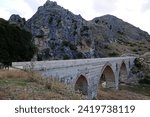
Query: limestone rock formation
x=115, y=28
x=17, y=20
x=60, y=34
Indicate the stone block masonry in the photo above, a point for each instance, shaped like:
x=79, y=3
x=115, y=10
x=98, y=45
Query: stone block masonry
x=84, y=75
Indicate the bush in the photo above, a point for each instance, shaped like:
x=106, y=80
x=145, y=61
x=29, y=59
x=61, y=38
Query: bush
x=65, y=43
x=144, y=81
x=88, y=42
x=80, y=55
x=106, y=47
x=120, y=32
x=66, y=57
x=84, y=31
x=137, y=63
x=113, y=54
x=135, y=50
x=70, y=45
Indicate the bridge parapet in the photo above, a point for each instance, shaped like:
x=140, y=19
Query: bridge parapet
x=40, y=65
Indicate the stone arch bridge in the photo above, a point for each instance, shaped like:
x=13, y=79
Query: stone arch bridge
x=85, y=75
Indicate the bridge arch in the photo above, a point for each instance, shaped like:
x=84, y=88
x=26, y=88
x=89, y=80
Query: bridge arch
x=81, y=85
x=107, y=79
x=123, y=74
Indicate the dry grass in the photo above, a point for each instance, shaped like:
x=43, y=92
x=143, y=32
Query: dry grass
x=121, y=95
x=21, y=85
x=12, y=74
x=135, y=47
x=125, y=93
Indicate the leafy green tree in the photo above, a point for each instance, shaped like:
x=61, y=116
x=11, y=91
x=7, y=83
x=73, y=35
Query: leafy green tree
x=15, y=43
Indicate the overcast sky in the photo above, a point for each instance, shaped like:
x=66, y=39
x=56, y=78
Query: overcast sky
x=136, y=12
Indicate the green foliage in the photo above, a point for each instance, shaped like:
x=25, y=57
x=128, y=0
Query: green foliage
x=69, y=44
x=88, y=42
x=15, y=43
x=50, y=20
x=66, y=57
x=75, y=33
x=85, y=28
x=135, y=50
x=146, y=80
x=120, y=32
x=65, y=43
x=96, y=21
x=107, y=47
x=80, y=55
x=75, y=26
x=137, y=63
x=113, y=54
x=58, y=22
x=84, y=31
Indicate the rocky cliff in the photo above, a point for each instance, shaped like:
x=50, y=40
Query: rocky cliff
x=17, y=20
x=115, y=28
x=59, y=34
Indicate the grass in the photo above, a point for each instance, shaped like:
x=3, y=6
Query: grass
x=113, y=54
x=126, y=92
x=124, y=46
x=21, y=85
x=139, y=88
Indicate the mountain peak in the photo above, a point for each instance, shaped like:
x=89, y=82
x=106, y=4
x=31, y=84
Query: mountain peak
x=48, y=6
x=108, y=15
x=50, y=3
x=17, y=20
x=60, y=34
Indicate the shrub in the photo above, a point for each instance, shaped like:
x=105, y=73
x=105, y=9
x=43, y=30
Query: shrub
x=134, y=50
x=106, y=47
x=50, y=20
x=137, y=63
x=113, y=54
x=80, y=55
x=88, y=42
x=65, y=43
x=120, y=32
x=84, y=31
x=70, y=45
x=66, y=57
x=139, y=49
x=145, y=81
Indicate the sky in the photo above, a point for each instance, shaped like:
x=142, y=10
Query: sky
x=136, y=12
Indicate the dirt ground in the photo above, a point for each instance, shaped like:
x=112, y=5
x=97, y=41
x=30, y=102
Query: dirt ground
x=121, y=95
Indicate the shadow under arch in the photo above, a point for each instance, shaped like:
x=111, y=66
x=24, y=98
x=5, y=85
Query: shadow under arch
x=123, y=75
x=107, y=79
x=81, y=85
